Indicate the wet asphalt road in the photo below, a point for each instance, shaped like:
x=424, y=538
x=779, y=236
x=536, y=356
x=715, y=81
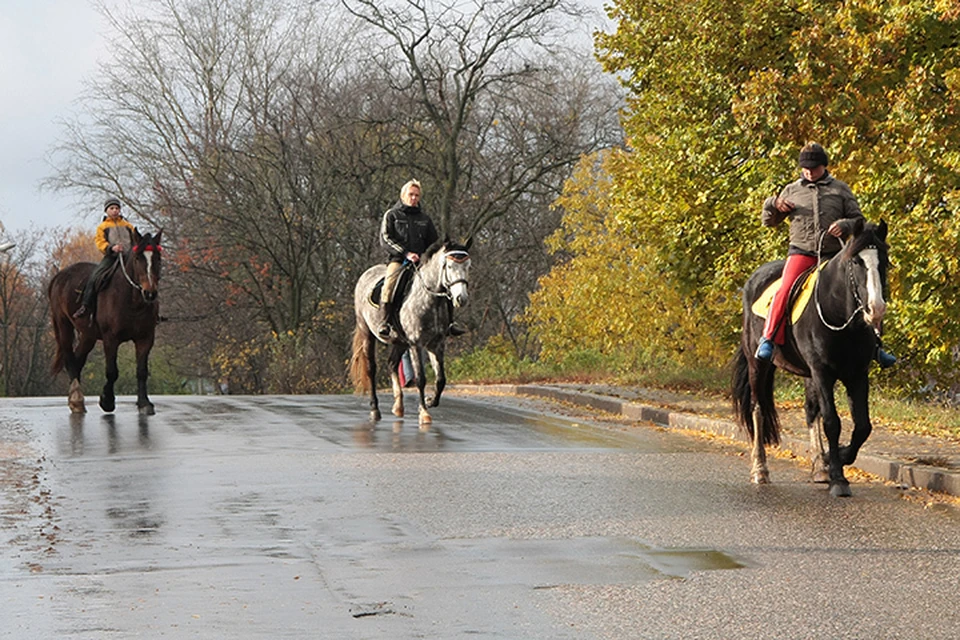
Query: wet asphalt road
x=293, y=517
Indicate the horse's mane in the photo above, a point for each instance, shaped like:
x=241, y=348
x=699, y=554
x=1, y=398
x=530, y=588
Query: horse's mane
x=446, y=244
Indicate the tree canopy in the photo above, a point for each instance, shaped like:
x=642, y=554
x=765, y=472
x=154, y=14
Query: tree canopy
x=269, y=137
x=721, y=96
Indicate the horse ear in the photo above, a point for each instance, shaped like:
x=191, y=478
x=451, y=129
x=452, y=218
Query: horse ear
x=468, y=243
x=882, y=230
x=136, y=236
x=857, y=227
x=156, y=238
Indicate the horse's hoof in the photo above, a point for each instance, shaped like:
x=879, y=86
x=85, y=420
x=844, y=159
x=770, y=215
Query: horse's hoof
x=75, y=398
x=108, y=404
x=819, y=473
x=147, y=410
x=425, y=418
x=840, y=490
x=398, y=411
x=375, y=415
x=760, y=477
x=820, y=476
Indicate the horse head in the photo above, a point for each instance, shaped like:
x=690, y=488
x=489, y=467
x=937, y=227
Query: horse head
x=145, y=258
x=867, y=252
x=451, y=263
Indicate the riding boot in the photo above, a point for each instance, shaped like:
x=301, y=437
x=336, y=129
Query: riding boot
x=765, y=350
x=86, y=303
x=884, y=359
x=385, y=328
x=456, y=329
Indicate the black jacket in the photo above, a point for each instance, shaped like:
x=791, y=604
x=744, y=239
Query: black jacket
x=406, y=230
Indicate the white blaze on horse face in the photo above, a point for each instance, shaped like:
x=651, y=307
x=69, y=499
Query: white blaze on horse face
x=875, y=307
x=456, y=274
x=459, y=294
x=148, y=256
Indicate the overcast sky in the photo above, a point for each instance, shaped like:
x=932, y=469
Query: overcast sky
x=47, y=47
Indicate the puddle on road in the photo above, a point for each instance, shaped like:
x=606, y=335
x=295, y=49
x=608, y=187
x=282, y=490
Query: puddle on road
x=680, y=563
x=547, y=563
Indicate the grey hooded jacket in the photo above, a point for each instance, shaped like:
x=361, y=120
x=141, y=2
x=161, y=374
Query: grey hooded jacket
x=817, y=205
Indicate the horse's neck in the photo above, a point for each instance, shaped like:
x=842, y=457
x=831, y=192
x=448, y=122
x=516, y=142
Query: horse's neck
x=834, y=283
x=123, y=273
x=426, y=280
x=122, y=277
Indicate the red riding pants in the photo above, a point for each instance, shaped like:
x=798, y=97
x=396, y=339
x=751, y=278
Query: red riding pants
x=775, y=325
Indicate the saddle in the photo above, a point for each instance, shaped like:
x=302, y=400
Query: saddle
x=101, y=283
x=800, y=294
x=399, y=294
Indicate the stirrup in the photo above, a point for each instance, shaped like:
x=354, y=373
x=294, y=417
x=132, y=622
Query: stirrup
x=455, y=329
x=765, y=350
x=384, y=330
x=82, y=311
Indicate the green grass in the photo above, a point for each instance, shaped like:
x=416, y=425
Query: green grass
x=497, y=363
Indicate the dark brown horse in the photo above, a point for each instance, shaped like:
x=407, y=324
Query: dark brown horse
x=127, y=309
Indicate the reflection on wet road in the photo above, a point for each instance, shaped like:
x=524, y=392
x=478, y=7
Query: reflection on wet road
x=294, y=517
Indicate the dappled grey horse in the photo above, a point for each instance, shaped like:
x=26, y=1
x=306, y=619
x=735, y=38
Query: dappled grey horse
x=439, y=282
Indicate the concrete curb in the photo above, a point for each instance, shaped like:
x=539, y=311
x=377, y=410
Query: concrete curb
x=906, y=474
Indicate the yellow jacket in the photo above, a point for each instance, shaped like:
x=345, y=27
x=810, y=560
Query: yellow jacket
x=111, y=232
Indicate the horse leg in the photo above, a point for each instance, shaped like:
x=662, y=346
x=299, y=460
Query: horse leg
x=108, y=401
x=75, y=398
x=436, y=361
x=818, y=458
x=759, y=474
x=396, y=353
x=371, y=347
x=416, y=359
x=73, y=363
x=857, y=396
x=839, y=486
x=144, y=406
x=763, y=416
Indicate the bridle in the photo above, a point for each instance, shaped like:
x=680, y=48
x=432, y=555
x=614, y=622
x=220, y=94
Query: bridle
x=123, y=268
x=443, y=287
x=853, y=286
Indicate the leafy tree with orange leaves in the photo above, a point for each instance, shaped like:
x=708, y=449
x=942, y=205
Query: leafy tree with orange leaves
x=721, y=98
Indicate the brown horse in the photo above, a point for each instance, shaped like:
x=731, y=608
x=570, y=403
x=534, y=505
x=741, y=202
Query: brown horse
x=127, y=309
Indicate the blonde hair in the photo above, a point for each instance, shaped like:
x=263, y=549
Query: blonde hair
x=406, y=188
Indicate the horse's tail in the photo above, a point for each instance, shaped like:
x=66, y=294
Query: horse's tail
x=58, y=330
x=740, y=391
x=359, y=362
x=743, y=404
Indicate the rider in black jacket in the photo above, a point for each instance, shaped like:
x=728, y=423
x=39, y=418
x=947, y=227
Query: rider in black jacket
x=406, y=232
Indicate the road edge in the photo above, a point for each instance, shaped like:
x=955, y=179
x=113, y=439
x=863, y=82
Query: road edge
x=902, y=472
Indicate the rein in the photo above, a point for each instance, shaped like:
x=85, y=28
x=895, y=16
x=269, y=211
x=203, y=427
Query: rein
x=816, y=292
x=123, y=269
